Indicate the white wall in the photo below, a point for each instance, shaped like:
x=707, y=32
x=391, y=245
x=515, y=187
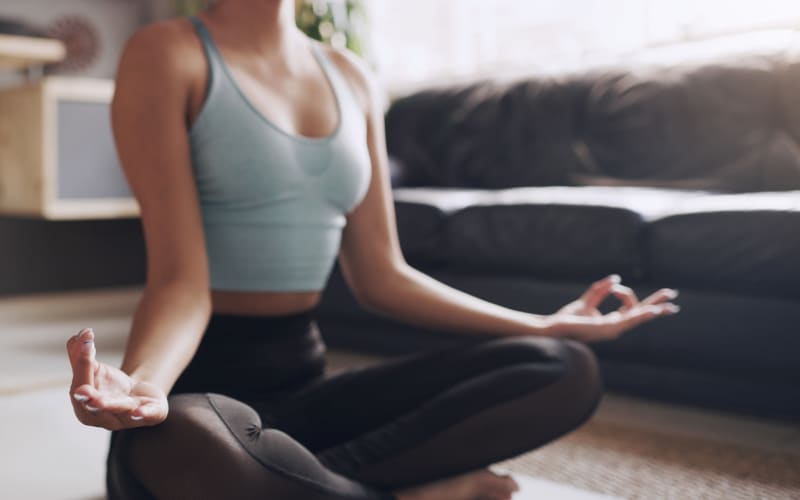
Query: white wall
x=112, y=20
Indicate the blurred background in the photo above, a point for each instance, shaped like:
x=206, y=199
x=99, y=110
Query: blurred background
x=416, y=41
x=535, y=146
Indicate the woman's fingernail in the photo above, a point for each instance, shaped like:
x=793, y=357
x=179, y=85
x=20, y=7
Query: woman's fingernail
x=673, y=308
x=88, y=346
x=92, y=409
x=80, y=398
x=136, y=417
x=616, y=278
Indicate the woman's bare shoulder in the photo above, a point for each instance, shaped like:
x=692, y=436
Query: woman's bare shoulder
x=165, y=48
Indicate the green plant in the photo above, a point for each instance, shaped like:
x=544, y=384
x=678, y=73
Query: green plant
x=189, y=7
x=340, y=23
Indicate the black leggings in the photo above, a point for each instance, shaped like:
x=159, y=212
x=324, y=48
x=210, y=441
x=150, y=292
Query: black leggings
x=255, y=416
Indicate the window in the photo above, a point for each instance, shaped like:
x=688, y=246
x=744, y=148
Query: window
x=416, y=42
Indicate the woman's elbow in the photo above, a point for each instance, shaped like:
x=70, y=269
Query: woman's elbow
x=379, y=289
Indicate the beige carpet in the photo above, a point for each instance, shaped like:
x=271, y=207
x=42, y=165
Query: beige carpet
x=640, y=464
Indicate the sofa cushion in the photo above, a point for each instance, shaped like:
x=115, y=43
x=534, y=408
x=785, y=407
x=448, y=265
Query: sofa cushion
x=547, y=241
x=747, y=243
x=711, y=125
x=485, y=134
x=725, y=122
x=420, y=228
x=551, y=232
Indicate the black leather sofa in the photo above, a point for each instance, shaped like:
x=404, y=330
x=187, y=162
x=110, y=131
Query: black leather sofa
x=684, y=175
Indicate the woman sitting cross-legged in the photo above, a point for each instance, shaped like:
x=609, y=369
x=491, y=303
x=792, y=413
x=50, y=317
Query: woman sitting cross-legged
x=258, y=158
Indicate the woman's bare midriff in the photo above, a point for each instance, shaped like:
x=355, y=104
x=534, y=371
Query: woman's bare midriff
x=262, y=303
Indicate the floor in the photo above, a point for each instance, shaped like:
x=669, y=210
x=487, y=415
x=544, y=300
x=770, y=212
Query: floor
x=47, y=454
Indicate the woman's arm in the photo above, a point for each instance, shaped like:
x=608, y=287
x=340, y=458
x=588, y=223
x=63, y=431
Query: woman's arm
x=376, y=271
x=148, y=115
x=150, y=128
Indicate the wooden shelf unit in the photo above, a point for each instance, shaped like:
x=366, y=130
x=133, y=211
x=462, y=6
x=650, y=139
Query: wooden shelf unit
x=57, y=157
x=20, y=52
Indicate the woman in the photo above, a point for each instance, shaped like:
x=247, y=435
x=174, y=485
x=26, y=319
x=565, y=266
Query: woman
x=257, y=157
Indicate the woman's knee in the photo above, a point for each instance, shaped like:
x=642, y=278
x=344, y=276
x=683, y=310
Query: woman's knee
x=583, y=378
x=578, y=379
x=513, y=350
x=190, y=455
x=576, y=363
x=141, y=459
x=213, y=446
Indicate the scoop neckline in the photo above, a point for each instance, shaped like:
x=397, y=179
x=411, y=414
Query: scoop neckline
x=316, y=52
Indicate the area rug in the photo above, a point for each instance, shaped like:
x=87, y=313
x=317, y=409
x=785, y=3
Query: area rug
x=531, y=488
x=633, y=463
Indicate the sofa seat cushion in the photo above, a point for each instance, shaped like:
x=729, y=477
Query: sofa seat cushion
x=742, y=243
x=420, y=228
x=546, y=232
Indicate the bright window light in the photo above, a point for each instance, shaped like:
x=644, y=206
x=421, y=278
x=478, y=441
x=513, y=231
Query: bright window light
x=422, y=41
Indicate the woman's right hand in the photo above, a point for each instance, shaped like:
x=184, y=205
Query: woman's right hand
x=104, y=396
x=582, y=320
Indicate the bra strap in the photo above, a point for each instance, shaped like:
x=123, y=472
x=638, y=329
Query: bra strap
x=201, y=30
x=213, y=56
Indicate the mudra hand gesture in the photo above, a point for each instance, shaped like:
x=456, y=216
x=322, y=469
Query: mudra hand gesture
x=582, y=320
x=104, y=396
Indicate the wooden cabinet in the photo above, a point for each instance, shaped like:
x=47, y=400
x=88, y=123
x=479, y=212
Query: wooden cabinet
x=57, y=154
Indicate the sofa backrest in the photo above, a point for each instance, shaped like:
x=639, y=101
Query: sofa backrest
x=728, y=123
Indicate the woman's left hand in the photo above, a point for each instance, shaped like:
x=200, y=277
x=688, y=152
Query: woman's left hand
x=581, y=320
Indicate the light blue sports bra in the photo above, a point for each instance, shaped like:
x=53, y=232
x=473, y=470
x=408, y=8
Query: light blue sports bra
x=273, y=204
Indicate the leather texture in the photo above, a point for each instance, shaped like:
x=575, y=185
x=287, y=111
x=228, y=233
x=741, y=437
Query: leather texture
x=731, y=124
x=743, y=243
x=676, y=172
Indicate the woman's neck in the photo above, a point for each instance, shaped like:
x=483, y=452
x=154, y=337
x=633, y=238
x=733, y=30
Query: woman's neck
x=260, y=24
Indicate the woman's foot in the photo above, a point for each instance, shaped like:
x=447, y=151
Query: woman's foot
x=479, y=485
